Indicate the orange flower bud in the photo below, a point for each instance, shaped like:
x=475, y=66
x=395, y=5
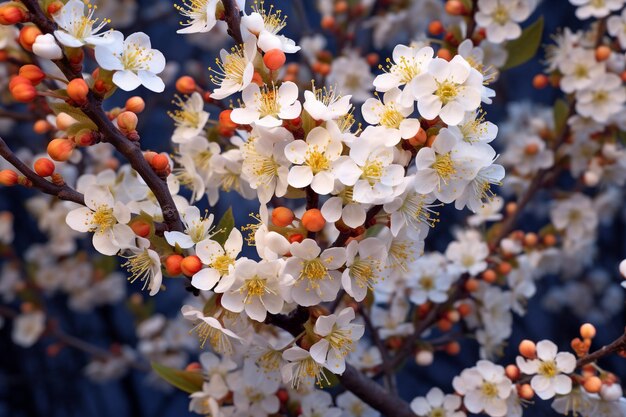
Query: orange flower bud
x=18, y=79
x=41, y=126
x=526, y=392
x=127, y=121
x=257, y=79
x=603, y=53
x=419, y=139
x=160, y=162
x=78, y=89
x=540, y=81
x=60, y=149
x=10, y=14
x=282, y=216
x=148, y=155
x=274, y=59
x=44, y=167
x=512, y=372
x=84, y=137
x=193, y=367
x=226, y=121
x=435, y=28
x=296, y=237
x=464, y=309
x=185, y=85
x=489, y=276
x=173, y=265
x=33, y=73
x=328, y=22
x=313, y=221
x=190, y=265
x=531, y=149
x=8, y=177
x=54, y=7
x=593, y=384
x=24, y=93
x=471, y=285
x=453, y=348
x=27, y=37
x=341, y=6
x=444, y=53
x=140, y=227
x=135, y=104
x=372, y=59
x=527, y=348
x=454, y=7
x=588, y=331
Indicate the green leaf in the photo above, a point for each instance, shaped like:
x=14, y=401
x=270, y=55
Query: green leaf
x=187, y=381
x=525, y=47
x=308, y=123
x=224, y=227
x=561, y=114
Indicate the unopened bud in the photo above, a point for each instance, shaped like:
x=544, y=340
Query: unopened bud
x=185, y=85
x=127, y=122
x=60, y=149
x=77, y=90
x=27, y=37
x=85, y=137
x=24, y=93
x=8, y=178
x=33, y=73
x=44, y=167
x=10, y=14
x=135, y=104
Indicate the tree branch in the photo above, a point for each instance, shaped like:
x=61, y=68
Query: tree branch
x=618, y=345
x=233, y=20
x=61, y=191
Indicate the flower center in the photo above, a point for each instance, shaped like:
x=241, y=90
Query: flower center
x=489, y=389
x=373, y=171
x=307, y=369
x=268, y=103
x=415, y=210
x=341, y=341
x=447, y=91
x=500, y=15
x=444, y=166
x=364, y=272
x=136, y=57
x=103, y=219
x=254, y=287
x=548, y=369
x=222, y=262
x=218, y=340
x=317, y=160
x=427, y=282
x=391, y=117
x=314, y=270
x=437, y=412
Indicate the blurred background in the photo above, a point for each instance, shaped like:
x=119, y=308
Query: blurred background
x=35, y=383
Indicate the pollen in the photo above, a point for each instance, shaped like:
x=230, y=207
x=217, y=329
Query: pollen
x=390, y=116
x=103, y=219
x=365, y=272
x=447, y=91
x=444, y=167
x=317, y=160
x=185, y=115
x=273, y=19
x=232, y=68
x=373, y=171
x=139, y=266
x=267, y=101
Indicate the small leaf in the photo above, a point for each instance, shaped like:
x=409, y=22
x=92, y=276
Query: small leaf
x=187, y=381
x=224, y=227
x=525, y=47
x=308, y=123
x=561, y=114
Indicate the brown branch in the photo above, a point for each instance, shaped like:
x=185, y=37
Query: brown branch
x=471, y=24
x=93, y=109
x=618, y=345
x=232, y=18
x=63, y=192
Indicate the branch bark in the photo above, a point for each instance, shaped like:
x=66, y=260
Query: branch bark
x=63, y=192
x=618, y=345
x=233, y=20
